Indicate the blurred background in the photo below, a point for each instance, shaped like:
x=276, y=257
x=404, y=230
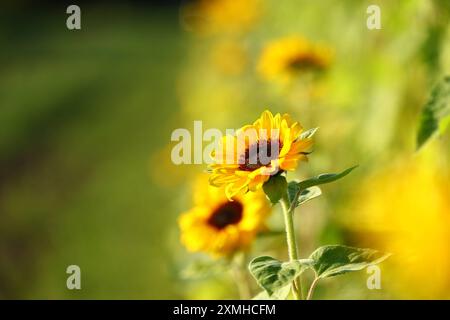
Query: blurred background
x=86, y=117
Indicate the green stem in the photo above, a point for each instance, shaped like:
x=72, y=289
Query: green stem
x=311, y=289
x=292, y=245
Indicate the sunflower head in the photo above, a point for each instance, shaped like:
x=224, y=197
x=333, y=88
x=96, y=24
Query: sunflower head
x=246, y=160
x=287, y=57
x=213, y=16
x=218, y=226
x=405, y=208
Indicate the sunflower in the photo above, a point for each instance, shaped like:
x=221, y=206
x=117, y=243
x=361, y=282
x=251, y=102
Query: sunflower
x=218, y=226
x=241, y=174
x=212, y=16
x=284, y=58
x=404, y=208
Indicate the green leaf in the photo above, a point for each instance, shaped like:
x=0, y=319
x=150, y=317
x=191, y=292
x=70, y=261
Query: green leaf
x=333, y=260
x=444, y=124
x=273, y=275
x=309, y=194
x=308, y=133
x=305, y=195
x=275, y=188
x=323, y=178
x=281, y=294
x=435, y=113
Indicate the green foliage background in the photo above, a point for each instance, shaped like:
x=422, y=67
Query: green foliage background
x=81, y=113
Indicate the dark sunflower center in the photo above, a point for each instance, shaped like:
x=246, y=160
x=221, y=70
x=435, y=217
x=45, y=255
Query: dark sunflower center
x=226, y=214
x=264, y=154
x=304, y=63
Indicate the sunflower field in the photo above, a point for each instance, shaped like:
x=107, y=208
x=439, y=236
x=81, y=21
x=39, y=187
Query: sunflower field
x=131, y=148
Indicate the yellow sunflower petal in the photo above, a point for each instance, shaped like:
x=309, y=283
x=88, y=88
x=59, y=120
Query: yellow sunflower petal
x=301, y=146
x=236, y=188
x=238, y=178
x=257, y=182
x=267, y=121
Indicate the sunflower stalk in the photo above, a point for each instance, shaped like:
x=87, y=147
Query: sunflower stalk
x=312, y=288
x=291, y=242
x=280, y=278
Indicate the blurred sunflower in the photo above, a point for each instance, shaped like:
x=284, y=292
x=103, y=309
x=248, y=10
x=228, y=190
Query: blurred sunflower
x=210, y=16
x=285, y=58
x=405, y=209
x=244, y=175
x=221, y=227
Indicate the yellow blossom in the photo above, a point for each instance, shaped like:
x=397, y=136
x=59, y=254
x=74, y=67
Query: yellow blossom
x=212, y=16
x=285, y=58
x=242, y=175
x=218, y=226
x=405, y=209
